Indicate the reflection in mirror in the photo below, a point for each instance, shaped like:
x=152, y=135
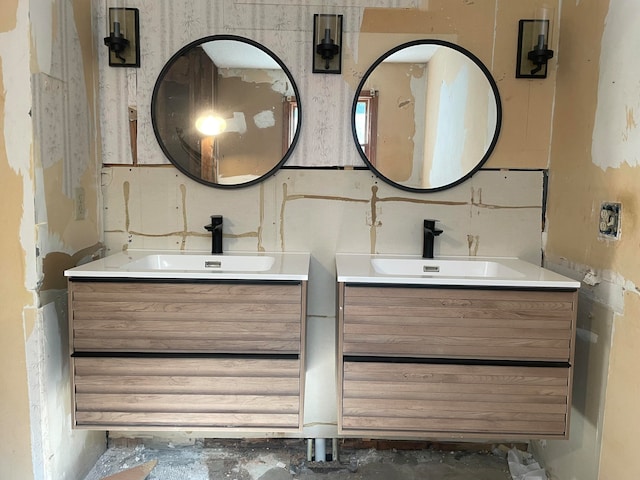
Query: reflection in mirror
x=436, y=120
x=220, y=111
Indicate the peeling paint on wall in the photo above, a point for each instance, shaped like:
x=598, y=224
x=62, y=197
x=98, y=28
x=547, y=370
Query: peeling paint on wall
x=15, y=441
x=595, y=159
x=41, y=91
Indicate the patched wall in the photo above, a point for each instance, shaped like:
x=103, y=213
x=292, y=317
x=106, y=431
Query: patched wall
x=50, y=221
x=594, y=160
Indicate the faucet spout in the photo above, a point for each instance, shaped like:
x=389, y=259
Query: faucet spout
x=430, y=233
x=215, y=227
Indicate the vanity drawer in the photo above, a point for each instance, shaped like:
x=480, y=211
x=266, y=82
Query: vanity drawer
x=211, y=393
x=459, y=323
x=417, y=400
x=185, y=317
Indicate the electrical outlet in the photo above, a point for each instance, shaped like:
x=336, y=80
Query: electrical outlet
x=79, y=204
x=609, y=221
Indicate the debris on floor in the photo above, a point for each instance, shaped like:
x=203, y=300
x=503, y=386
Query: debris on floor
x=523, y=466
x=287, y=460
x=139, y=472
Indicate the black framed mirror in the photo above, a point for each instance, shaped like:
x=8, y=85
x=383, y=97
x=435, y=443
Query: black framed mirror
x=226, y=111
x=426, y=115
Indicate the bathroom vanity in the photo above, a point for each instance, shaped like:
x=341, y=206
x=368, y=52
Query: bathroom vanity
x=453, y=348
x=169, y=340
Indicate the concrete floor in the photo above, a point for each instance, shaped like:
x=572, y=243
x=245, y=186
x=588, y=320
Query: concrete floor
x=286, y=460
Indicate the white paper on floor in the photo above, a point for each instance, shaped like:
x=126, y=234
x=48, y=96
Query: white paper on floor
x=523, y=466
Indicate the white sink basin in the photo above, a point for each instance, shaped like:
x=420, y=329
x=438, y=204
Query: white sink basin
x=205, y=263
x=447, y=271
x=193, y=265
x=443, y=268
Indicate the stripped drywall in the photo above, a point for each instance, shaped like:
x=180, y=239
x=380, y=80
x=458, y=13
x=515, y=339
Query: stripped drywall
x=17, y=243
x=44, y=156
x=15, y=441
x=592, y=162
x=68, y=224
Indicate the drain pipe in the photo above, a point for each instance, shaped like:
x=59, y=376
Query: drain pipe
x=309, y=450
x=321, y=450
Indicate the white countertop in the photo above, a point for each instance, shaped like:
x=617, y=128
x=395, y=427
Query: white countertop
x=500, y=272
x=286, y=266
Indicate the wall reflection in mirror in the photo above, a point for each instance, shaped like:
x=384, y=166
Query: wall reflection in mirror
x=426, y=115
x=222, y=111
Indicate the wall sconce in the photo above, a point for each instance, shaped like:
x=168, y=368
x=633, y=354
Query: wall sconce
x=327, y=43
x=534, y=38
x=123, y=26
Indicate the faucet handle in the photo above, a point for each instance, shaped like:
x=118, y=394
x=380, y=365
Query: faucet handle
x=216, y=223
x=430, y=224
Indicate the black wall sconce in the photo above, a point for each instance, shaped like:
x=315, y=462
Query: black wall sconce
x=123, y=26
x=534, y=38
x=327, y=43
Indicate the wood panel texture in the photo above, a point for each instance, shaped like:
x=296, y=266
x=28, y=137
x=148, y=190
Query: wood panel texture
x=186, y=317
x=459, y=323
x=414, y=400
x=202, y=393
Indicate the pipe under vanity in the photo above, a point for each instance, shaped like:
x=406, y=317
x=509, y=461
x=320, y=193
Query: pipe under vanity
x=317, y=449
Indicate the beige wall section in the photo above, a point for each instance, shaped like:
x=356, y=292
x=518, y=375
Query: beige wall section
x=15, y=442
x=9, y=9
x=396, y=117
x=603, y=440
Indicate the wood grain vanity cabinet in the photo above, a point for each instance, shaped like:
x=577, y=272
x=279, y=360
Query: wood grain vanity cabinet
x=180, y=354
x=424, y=361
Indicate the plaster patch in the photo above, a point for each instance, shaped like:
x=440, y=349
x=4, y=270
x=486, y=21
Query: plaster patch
x=603, y=286
x=17, y=132
x=591, y=278
x=34, y=352
x=587, y=335
x=264, y=119
x=237, y=123
x=614, y=141
x=280, y=83
x=41, y=16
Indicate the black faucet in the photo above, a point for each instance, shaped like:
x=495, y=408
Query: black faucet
x=430, y=233
x=215, y=227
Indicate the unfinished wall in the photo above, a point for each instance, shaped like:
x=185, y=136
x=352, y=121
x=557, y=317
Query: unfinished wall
x=325, y=211
x=594, y=160
x=488, y=28
x=15, y=284
x=68, y=225
x=50, y=221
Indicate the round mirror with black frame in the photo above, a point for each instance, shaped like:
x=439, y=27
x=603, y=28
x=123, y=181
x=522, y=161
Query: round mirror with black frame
x=426, y=115
x=226, y=111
